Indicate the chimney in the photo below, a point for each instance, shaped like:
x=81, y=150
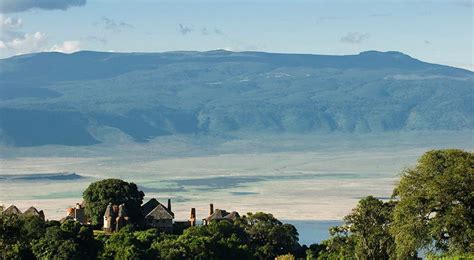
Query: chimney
x=211, y=209
x=169, y=205
x=192, y=218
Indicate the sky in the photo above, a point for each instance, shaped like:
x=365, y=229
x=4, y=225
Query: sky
x=433, y=31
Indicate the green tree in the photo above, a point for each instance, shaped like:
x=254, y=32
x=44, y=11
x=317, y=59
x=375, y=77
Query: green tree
x=99, y=194
x=16, y=234
x=71, y=240
x=435, y=209
x=124, y=244
x=268, y=237
x=218, y=240
x=313, y=251
x=341, y=245
x=54, y=246
x=369, y=223
x=365, y=234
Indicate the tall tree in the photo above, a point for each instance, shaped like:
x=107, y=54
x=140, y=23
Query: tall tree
x=435, y=211
x=99, y=194
x=365, y=234
x=268, y=237
x=369, y=223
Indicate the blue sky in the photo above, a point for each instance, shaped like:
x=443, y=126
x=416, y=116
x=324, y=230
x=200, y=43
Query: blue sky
x=433, y=31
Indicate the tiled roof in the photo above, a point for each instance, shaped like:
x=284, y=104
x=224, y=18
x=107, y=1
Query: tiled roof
x=149, y=206
x=154, y=209
x=159, y=212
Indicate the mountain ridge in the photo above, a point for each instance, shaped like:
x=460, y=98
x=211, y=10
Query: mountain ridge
x=54, y=98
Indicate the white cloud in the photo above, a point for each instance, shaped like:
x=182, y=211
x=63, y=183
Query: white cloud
x=10, y=23
x=26, y=43
x=66, y=47
x=36, y=42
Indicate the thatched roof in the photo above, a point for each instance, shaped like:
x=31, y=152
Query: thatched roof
x=232, y=216
x=220, y=214
x=12, y=210
x=31, y=211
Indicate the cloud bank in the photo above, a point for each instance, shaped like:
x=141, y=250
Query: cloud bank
x=29, y=42
x=10, y=23
x=36, y=42
x=13, y=6
x=66, y=47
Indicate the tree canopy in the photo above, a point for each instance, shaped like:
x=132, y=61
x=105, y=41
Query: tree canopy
x=71, y=240
x=435, y=210
x=365, y=233
x=99, y=194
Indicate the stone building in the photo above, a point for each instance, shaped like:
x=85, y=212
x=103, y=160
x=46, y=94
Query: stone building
x=122, y=218
x=110, y=216
x=220, y=215
x=158, y=216
x=76, y=213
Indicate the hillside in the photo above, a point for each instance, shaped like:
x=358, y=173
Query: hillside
x=55, y=98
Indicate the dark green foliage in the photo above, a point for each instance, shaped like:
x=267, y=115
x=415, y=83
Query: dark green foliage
x=340, y=245
x=219, y=240
x=369, y=223
x=435, y=209
x=365, y=233
x=124, y=245
x=313, y=251
x=257, y=236
x=99, y=194
x=268, y=236
x=16, y=234
x=71, y=240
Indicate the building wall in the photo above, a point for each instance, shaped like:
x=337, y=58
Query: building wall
x=161, y=224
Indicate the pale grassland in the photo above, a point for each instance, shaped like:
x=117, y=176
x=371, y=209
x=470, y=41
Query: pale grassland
x=294, y=177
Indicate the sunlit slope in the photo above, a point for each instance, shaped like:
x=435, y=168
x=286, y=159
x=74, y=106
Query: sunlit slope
x=53, y=98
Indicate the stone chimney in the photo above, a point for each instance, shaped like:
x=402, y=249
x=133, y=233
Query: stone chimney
x=192, y=218
x=169, y=205
x=211, y=209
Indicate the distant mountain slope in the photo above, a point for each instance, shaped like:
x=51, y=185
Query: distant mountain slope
x=55, y=98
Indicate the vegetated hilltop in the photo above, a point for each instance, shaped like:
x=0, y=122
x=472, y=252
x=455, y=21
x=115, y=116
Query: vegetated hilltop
x=55, y=98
